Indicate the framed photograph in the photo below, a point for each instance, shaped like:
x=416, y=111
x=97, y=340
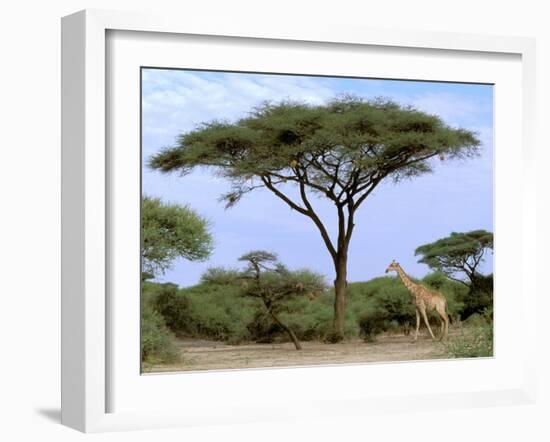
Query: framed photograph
x=268, y=223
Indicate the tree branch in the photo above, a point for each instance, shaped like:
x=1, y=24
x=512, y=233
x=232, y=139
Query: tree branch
x=282, y=196
x=351, y=223
x=367, y=193
x=408, y=163
x=297, y=180
x=457, y=280
x=311, y=213
x=333, y=176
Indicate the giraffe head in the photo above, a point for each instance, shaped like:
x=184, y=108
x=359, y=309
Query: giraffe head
x=393, y=266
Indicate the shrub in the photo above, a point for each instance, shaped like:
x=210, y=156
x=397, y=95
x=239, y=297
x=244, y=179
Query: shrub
x=157, y=345
x=219, y=312
x=480, y=296
x=238, y=306
x=471, y=343
x=220, y=276
x=206, y=311
x=475, y=320
x=371, y=325
x=474, y=340
x=395, y=306
x=333, y=337
x=262, y=329
x=381, y=304
x=310, y=319
x=173, y=307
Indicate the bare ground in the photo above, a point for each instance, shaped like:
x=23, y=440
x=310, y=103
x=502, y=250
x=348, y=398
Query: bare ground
x=209, y=355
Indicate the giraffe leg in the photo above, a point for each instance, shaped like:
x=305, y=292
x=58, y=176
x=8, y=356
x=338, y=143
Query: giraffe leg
x=444, y=323
x=417, y=325
x=425, y=317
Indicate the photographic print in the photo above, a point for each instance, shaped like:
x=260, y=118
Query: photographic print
x=295, y=220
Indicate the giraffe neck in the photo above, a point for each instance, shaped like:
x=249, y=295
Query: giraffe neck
x=406, y=280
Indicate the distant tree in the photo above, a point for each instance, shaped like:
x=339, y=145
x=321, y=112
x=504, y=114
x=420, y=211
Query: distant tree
x=270, y=281
x=340, y=150
x=169, y=231
x=458, y=254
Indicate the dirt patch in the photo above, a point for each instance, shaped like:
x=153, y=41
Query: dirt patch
x=208, y=355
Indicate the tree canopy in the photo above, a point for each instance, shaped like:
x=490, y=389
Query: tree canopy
x=169, y=231
x=340, y=150
x=458, y=253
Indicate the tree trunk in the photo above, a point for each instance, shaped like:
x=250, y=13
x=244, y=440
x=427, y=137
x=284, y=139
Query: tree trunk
x=287, y=329
x=340, y=288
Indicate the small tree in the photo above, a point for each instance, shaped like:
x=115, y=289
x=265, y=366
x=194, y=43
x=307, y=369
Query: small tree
x=458, y=254
x=340, y=151
x=267, y=279
x=169, y=231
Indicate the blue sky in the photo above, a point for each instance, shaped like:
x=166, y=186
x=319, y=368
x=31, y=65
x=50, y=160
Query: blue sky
x=391, y=223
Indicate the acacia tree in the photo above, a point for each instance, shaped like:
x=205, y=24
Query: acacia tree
x=457, y=254
x=340, y=151
x=270, y=281
x=169, y=231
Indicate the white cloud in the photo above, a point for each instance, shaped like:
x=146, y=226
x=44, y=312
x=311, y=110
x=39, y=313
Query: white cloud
x=177, y=101
x=455, y=110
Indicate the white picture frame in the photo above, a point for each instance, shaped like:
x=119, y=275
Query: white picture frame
x=87, y=355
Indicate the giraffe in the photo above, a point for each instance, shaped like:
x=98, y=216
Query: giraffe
x=424, y=300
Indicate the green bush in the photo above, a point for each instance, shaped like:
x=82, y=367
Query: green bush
x=157, y=342
x=480, y=296
x=475, y=320
x=216, y=310
x=220, y=276
x=207, y=311
x=381, y=304
x=371, y=325
x=471, y=343
x=173, y=307
x=220, y=313
x=475, y=338
x=262, y=329
x=310, y=319
x=221, y=310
